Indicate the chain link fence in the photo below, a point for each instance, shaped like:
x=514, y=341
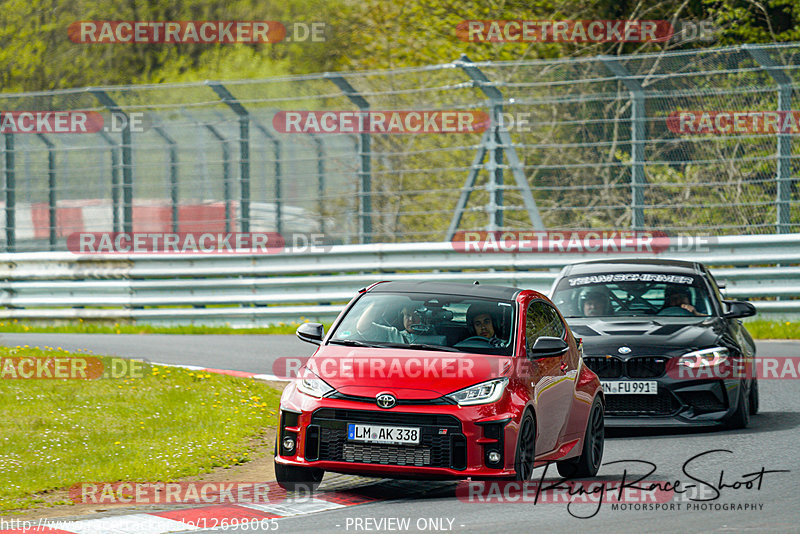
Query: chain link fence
x=583, y=144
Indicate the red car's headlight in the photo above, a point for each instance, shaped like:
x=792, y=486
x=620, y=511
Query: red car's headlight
x=312, y=385
x=483, y=393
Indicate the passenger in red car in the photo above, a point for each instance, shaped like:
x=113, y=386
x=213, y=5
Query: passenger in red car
x=368, y=328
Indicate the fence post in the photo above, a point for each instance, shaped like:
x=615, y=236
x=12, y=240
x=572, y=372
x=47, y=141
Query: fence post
x=114, y=179
x=127, y=159
x=51, y=190
x=320, y=181
x=783, y=177
x=244, y=150
x=226, y=184
x=365, y=161
x=638, y=137
x=8, y=152
x=173, y=174
x=276, y=146
x=497, y=142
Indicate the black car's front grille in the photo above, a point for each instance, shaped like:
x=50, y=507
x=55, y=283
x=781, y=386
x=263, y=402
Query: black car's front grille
x=647, y=367
x=642, y=367
x=661, y=404
x=441, y=440
x=605, y=367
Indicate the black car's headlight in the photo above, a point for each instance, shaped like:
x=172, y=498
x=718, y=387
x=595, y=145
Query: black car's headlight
x=312, y=385
x=704, y=358
x=483, y=393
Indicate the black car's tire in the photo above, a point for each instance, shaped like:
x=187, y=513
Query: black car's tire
x=588, y=463
x=526, y=448
x=294, y=478
x=741, y=417
x=754, y=397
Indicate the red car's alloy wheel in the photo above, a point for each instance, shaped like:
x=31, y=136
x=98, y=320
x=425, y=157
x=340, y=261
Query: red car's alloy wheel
x=526, y=448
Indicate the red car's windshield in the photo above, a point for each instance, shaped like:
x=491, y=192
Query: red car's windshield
x=429, y=321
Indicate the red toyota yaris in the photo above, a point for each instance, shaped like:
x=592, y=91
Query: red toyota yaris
x=441, y=380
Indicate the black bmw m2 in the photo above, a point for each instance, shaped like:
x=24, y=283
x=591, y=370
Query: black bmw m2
x=668, y=349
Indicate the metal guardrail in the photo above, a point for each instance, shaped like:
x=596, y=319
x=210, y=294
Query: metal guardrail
x=260, y=289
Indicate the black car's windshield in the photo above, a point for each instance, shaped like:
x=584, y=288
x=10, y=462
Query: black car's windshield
x=428, y=321
x=632, y=294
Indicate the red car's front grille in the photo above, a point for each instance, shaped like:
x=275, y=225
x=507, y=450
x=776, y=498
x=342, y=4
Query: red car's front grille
x=441, y=442
x=386, y=454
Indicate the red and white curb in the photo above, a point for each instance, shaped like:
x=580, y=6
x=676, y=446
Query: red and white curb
x=189, y=519
x=240, y=374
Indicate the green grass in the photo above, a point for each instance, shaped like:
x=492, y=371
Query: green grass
x=773, y=329
x=86, y=327
x=164, y=424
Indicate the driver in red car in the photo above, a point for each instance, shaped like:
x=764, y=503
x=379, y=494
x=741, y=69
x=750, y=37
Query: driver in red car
x=479, y=318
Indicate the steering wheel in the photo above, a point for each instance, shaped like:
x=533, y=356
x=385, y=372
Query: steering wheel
x=484, y=342
x=675, y=311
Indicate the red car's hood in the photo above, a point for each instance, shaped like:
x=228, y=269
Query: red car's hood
x=408, y=374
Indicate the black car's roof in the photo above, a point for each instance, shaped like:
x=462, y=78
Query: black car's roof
x=449, y=288
x=625, y=265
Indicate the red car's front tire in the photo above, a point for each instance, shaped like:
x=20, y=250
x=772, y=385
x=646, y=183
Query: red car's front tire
x=526, y=448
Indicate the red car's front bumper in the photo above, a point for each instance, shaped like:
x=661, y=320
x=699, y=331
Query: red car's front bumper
x=455, y=440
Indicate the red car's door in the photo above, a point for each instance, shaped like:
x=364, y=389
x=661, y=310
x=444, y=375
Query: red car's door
x=551, y=382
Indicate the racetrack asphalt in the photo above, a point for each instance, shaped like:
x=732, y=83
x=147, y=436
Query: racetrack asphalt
x=770, y=442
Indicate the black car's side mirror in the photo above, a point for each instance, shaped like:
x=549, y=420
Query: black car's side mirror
x=547, y=347
x=739, y=308
x=311, y=332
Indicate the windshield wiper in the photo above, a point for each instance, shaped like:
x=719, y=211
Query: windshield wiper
x=352, y=343
x=419, y=346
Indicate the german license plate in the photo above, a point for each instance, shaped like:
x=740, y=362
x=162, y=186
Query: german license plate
x=390, y=435
x=630, y=387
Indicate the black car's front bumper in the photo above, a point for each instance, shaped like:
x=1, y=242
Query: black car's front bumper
x=679, y=403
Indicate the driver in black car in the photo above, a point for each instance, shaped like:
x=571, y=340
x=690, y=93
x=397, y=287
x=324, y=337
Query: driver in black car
x=680, y=298
x=479, y=319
